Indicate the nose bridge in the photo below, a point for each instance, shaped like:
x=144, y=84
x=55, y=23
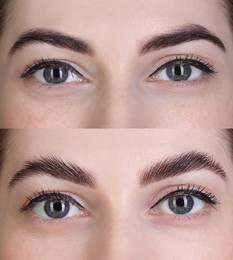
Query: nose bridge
x=119, y=104
x=120, y=240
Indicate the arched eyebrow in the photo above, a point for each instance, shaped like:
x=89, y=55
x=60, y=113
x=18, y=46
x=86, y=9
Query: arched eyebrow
x=53, y=38
x=53, y=167
x=180, y=164
x=183, y=34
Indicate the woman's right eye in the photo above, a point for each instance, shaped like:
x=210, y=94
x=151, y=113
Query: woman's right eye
x=53, y=206
x=56, y=209
x=53, y=72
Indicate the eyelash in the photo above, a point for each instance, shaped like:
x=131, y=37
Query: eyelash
x=43, y=63
x=190, y=190
x=40, y=196
x=191, y=60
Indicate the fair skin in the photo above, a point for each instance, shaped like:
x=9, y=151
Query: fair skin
x=117, y=219
x=117, y=89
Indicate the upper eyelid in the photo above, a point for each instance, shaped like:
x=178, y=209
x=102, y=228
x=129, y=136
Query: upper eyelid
x=79, y=70
x=31, y=201
x=172, y=58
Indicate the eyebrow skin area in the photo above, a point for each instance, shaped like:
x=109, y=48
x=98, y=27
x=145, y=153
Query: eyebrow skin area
x=184, y=34
x=180, y=164
x=53, y=167
x=53, y=38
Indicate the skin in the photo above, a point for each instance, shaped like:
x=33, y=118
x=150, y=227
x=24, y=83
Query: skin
x=118, y=93
x=118, y=209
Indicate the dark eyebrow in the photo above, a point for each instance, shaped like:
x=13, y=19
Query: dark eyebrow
x=186, y=33
x=53, y=167
x=54, y=38
x=181, y=164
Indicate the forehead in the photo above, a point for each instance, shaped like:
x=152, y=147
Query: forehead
x=117, y=18
x=102, y=147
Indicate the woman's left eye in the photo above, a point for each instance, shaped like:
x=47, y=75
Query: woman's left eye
x=183, y=204
x=182, y=70
x=185, y=201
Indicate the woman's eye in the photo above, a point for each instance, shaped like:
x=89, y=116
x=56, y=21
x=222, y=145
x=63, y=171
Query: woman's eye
x=53, y=206
x=182, y=70
x=181, y=204
x=56, y=209
x=53, y=72
x=56, y=76
x=179, y=73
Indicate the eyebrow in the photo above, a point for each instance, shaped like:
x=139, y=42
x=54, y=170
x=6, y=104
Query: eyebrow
x=186, y=33
x=53, y=167
x=53, y=38
x=180, y=164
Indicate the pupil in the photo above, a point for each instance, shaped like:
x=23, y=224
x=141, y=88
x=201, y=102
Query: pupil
x=57, y=206
x=180, y=202
x=56, y=73
x=178, y=71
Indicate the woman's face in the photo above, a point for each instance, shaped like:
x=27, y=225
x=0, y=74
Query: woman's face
x=151, y=63
x=116, y=195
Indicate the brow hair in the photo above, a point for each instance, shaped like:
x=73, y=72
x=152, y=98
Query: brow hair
x=53, y=167
x=186, y=33
x=54, y=38
x=4, y=10
x=180, y=164
x=4, y=136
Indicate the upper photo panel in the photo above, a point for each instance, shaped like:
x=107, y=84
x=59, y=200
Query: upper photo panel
x=116, y=64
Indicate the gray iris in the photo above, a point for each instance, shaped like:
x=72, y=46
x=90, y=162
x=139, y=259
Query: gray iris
x=56, y=75
x=179, y=72
x=56, y=209
x=181, y=204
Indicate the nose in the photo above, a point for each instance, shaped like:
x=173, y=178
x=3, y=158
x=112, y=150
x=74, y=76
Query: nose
x=119, y=240
x=118, y=107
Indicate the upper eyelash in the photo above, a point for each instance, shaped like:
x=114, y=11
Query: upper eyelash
x=40, y=196
x=191, y=190
x=42, y=63
x=190, y=60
